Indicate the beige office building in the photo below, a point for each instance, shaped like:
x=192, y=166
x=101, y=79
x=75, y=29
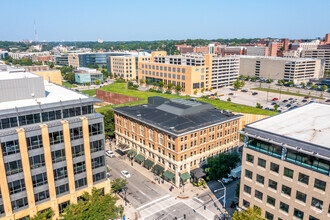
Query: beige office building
x=286, y=165
x=319, y=54
x=291, y=69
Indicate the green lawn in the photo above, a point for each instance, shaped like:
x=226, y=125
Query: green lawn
x=90, y=92
x=68, y=85
x=121, y=89
x=286, y=93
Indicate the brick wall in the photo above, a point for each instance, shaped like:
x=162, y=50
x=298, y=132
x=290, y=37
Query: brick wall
x=114, y=98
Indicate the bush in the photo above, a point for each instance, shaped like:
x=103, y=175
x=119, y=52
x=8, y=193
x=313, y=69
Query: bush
x=168, y=92
x=204, y=97
x=120, y=80
x=229, y=100
x=159, y=91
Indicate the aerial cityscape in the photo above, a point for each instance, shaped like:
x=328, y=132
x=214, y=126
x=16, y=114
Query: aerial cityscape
x=146, y=110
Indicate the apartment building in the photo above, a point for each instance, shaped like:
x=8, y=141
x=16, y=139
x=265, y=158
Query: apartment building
x=323, y=54
x=62, y=60
x=257, y=51
x=192, y=72
x=286, y=164
x=175, y=135
x=290, y=69
x=85, y=75
x=52, y=146
x=126, y=66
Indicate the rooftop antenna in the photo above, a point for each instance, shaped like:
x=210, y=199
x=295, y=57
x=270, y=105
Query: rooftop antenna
x=35, y=32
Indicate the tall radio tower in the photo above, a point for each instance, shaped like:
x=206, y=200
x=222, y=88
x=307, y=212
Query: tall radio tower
x=35, y=32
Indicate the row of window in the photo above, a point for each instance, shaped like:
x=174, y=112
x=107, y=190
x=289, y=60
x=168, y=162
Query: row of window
x=165, y=68
x=165, y=75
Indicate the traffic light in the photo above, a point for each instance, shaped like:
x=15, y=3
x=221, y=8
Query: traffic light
x=204, y=207
x=184, y=216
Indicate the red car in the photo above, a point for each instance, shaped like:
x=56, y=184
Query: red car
x=306, y=97
x=274, y=99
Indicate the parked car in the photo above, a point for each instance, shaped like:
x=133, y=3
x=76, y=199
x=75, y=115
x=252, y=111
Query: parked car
x=305, y=100
x=244, y=90
x=328, y=100
x=306, y=97
x=288, y=105
x=255, y=93
x=231, y=93
x=273, y=103
x=274, y=99
x=109, y=153
x=227, y=180
x=290, y=98
x=125, y=174
x=285, y=101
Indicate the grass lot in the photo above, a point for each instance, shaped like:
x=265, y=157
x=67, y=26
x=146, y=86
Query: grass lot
x=286, y=93
x=90, y=92
x=121, y=89
x=68, y=85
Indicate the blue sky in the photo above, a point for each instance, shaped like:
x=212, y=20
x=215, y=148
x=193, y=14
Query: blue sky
x=82, y=20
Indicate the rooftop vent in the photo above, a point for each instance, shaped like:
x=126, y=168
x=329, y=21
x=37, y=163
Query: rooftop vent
x=138, y=115
x=172, y=128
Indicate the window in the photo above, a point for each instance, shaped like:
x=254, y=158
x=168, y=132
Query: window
x=19, y=203
x=319, y=184
x=98, y=162
x=10, y=147
x=288, y=172
x=37, y=161
x=34, y=142
x=62, y=206
x=98, y=176
x=261, y=162
x=248, y=174
x=52, y=115
x=272, y=184
x=29, y=119
x=286, y=190
x=274, y=167
x=60, y=173
x=247, y=189
x=299, y=214
x=79, y=167
x=58, y=156
x=183, y=70
x=41, y=196
x=2, y=210
x=249, y=158
x=13, y=167
x=260, y=179
x=76, y=133
x=284, y=207
x=303, y=178
x=56, y=137
x=265, y=147
x=95, y=129
x=71, y=112
x=269, y=216
x=39, y=179
x=258, y=194
x=78, y=150
x=8, y=123
x=313, y=218
x=96, y=146
x=301, y=196
x=62, y=189
x=81, y=182
x=16, y=186
x=271, y=200
x=317, y=203
x=246, y=204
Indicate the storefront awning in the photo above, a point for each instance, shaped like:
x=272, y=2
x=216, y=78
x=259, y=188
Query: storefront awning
x=158, y=168
x=131, y=152
x=185, y=176
x=148, y=163
x=198, y=173
x=169, y=175
x=139, y=158
x=123, y=147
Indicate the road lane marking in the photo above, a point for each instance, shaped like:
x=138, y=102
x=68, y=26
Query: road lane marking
x=199, y=200
x=159, y=210
x=154, y=201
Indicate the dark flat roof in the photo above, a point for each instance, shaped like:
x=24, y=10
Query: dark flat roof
x=176, y=116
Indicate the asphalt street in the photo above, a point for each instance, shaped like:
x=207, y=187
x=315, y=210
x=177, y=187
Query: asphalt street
x=140, y=189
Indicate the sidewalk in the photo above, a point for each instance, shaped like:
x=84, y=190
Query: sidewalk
x=129, y=211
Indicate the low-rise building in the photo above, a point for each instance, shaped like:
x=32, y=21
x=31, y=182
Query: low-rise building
x=48, y=74
x=85, y=75
x=290, y=69
x=52, y=146
x=62, y=60
x=323, y=54
x=176, y=135
x=257, y=51
x=286, y=164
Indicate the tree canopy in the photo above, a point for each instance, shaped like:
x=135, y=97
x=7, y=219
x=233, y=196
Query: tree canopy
x=118, y=184
x=248, y=214
x=220, y=166
x=93, y=206
x=43, y=215
x=109, y=125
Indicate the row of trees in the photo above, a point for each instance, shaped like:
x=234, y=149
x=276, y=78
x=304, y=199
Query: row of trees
x=161, y=85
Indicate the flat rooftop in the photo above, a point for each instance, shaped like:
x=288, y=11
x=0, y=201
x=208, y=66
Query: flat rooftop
x=176, y=116
x=276, y=58
x=5, y=75
x=309, y=123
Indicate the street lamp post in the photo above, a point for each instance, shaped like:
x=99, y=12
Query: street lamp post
x=224, y=196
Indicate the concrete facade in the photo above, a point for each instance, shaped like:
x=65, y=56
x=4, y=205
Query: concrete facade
x=319, y=54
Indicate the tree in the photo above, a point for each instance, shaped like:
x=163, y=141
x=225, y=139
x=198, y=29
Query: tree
x=109, y=124
x=178, y=88
x=258, y=105
x=281, y=82
x=241, y=77
x=111, y=75
x=161, y=84
x=229, y=100
x=147, y=81
x=89, y=66
x=314, y=87
x=47, y=215
x=248, y=214
x=238, y=84
x=254, y=78
x=290, y=83
x=154, y=83
x=248, y=78
x=195, y=91
x=203, y=89
x=324, y=87
x=169, y=86
x=270, y=80
x=302, y=84
x=96, y=66
x=220, y=166
x=118, y=184
x=97, y=82
x=210, y=89
x=88, y=83
x=141, y=81
x=70, y=77
x=93, y=206
x=276, y=106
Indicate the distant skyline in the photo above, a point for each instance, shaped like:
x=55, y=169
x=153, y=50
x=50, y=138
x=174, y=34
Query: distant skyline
x=146, y=20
